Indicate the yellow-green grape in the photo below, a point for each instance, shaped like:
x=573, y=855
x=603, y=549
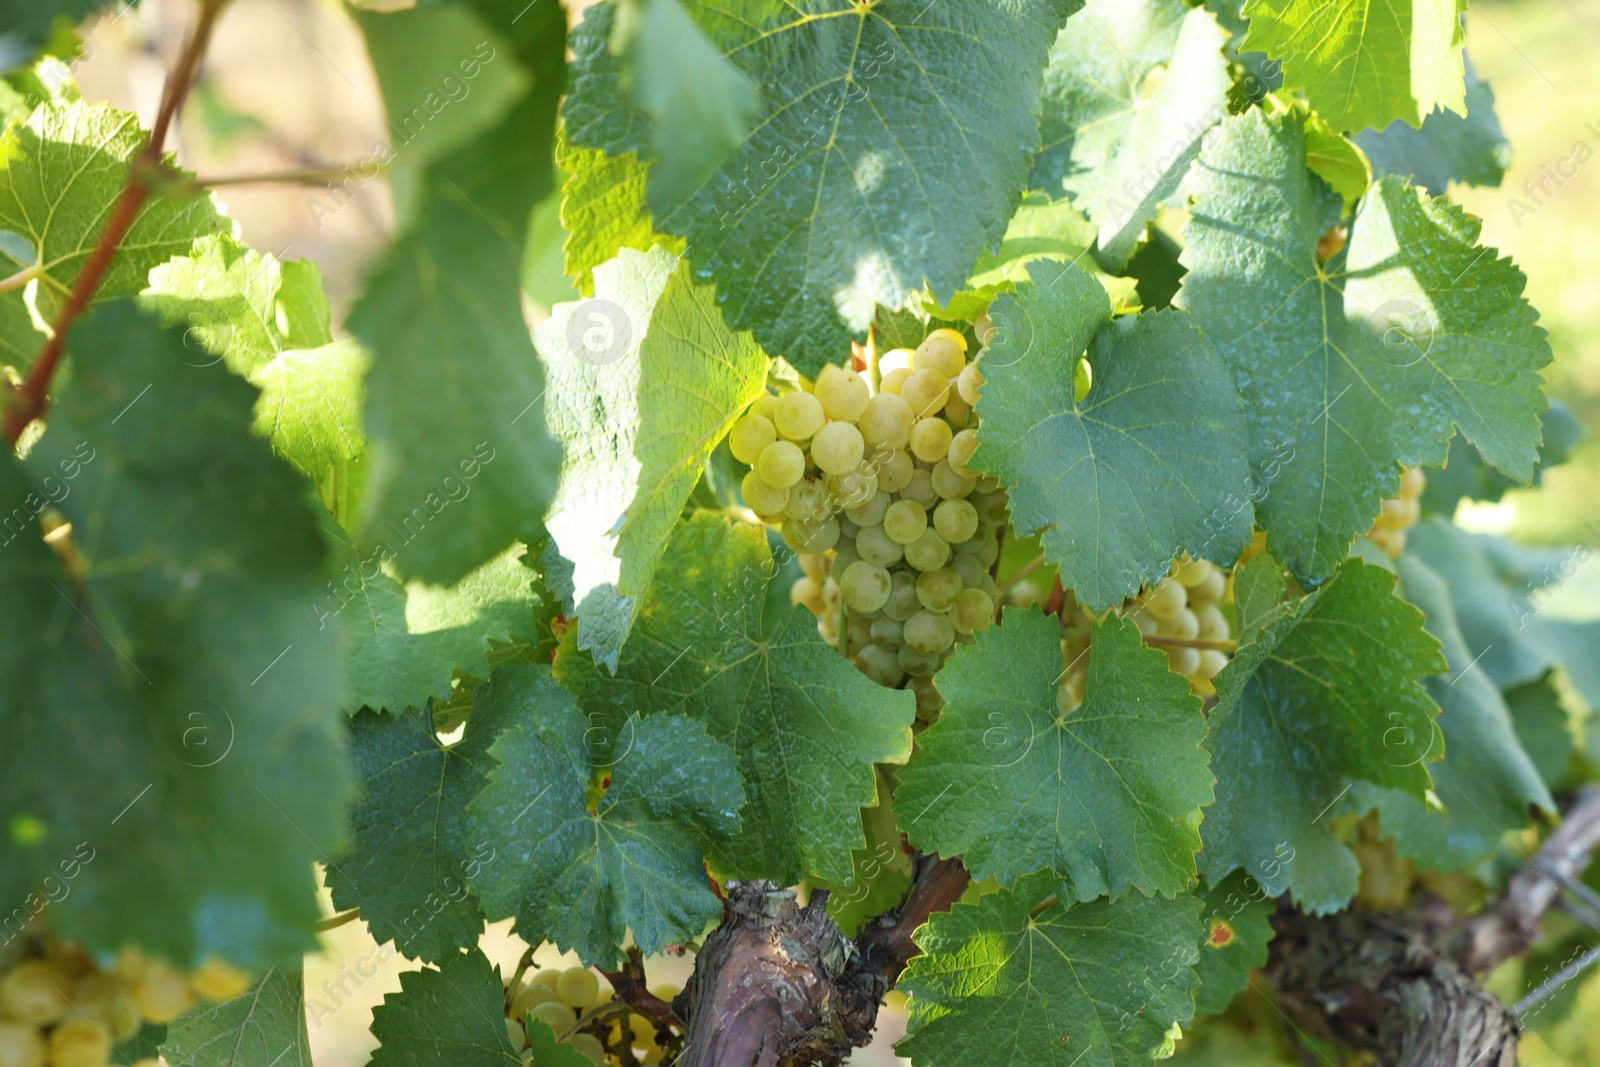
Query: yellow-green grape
x=870, y=513
x=94, y=993
x=930, y=633
x=220, y=981
x=811, y=536
x=749, y=436
x=556, y=1015
x=1412, y=483
x=968, y=382
x=642, y=1030
x=77, y=1043
x=881, y=663
x=590, y=1046
x=843, y=393
x=893, y=380
x=35, y=991
x=805, y=592
x=930, y=439
x=967, y=568
x=1212, y=625
x=920, y=489
x=653, y=1056
x=1184, y=661
x=886, y=421
x=1397, y=513
x=547, y=977
x=1209, y=590
x=851, y=488
x=955, y=520
x=893, y=360
x=993, y=507
x=518, y=1036
x=948, y=484
x=877, y=547
x=903, y=602
x=887, y=632
x=916, y=664
x=763, y=497
x=765, y=405
x=962, y=446
x=531, y=996
x=925, y=392
x=944, y=351
x=814, y=564
x=928, y=552
x=957, y=410
x=1147, y=623
x=1211, y=664
x=938, y=589
x=895, y=469
x=1082, y=378
x=1166, y=600
x=162, y=994
x=864, y=586
x=21, y=1046
x=807, y=500
x=905, y=521
x=929, y=702
x=983, y=328
x=988, y=549
x=972, y=612
x=837, y=448
x=799, y=416
x=781, y=464
x=1191, y=572
x=1184, y=625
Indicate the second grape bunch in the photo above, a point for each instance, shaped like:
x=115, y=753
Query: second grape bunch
x=613, y=1037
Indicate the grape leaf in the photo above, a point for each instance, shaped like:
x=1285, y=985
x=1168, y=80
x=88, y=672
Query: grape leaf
x=175, y=665
x=1365, y=63
x=1108, y=797
x=1544, y=728
x=227, y=297
x=266, y=1024
x=1465, y=474
x=1485, y=782
x=453, y=1015
x=1337, y=160
x=1447, y=147
x=880, y=873
x=695, y=378
x=1019, y=977
x=459, y=463
x=28, y=25
x=304, y=317
x=582, y=865
x=412, y=847
x=1131, y=87
x=1151, y=463
x=603, y=210
x=873, y=120
x=1322, y=691
x=806, y=725
x=547, y=1050
x=64, y=165
x=1235, y=929
x=593, y=407
x=1352, y=367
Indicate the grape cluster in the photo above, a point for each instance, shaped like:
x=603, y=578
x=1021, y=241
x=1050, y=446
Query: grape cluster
x=59, y=1007
x=561, y=998
x=1399, y=514
x=895, y=534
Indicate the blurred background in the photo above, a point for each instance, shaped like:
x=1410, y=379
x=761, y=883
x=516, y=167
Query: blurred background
x=287, y=88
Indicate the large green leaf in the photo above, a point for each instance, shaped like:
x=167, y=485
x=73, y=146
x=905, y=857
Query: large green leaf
x=1447, y=147
x=1323, y=691
x=1235, y=929
x=1108, y=797
x=1149, y=464
x=1353, y=367
x=176, y=665
x=266, y=1024
x=1486, y=785
x=1364, y=63
x=453, y=1015
x=584, y=864
x=603, y=210
x=1465, y=474
x=806, y=725
x=1020, y=977
x=459, y=463
x=875, y=122
x=1131, y=88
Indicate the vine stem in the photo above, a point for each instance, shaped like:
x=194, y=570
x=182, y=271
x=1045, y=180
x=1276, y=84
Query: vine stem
x=1191, y=642
x=21, y=278
x=30, y=400
x=304, y=176
x=333, y=922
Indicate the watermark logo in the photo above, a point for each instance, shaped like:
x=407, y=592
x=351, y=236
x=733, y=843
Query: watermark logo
x=599, y=332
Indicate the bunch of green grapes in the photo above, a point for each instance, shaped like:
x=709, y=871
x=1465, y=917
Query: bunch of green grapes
x=1399, y=514
x=610, y=1034
x=895, y=533
x=59, y=1007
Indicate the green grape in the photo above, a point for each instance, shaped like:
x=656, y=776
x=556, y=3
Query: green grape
x=21, y=1045
x=957, y=411
x=930, y=632
x=518, y=1036
x=864, y=586
x=966, y=565
x=929, y=702
x=1148, y=624
x=944, y=351
x=591, y=1048
x=983, y=328
x=860, y=630
x=956, y=520
x=799, y=416
x=35, y=991
x=803, y=592
x=972, y=612
x=1082, y=378
x=1166, y=600
x=878, y=548
x=870, y=513
x=79, y=1043
x=928, y=552
x=937, y=590
x=749, y=436
x=888, y=633
x=1211, y=664
x=162, y=994
x=781, y=464
x=893, y=360
x=887, y=421
x=1412, y=482
x=843, y=393
x=881, y=664
x=968, y=382
x=1209, y=591
x=986, y=583
x=837, y=448
x=925, y=392
x=763, y=498
x=1184, y=661
x=930, y=439
x=914, y=663
x=807, y=500
x=895, y=469
x=847, y=531
x=844, y=554
x=1212, y=624
x=988, y=550
x=851, y=488
x=920, y=489
x=905, y=521
x=962, y=446
x=948, y=484
x=811, y=536
x=1184, y=625
x=893, y=380
x=1191, y=572
x=554, y=1014
x=993, y=507
x=903, y=602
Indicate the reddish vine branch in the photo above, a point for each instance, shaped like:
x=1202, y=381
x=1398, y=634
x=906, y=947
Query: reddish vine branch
x=30, y=400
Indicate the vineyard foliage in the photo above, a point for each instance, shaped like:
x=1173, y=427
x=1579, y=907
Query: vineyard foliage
x=470, y=609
